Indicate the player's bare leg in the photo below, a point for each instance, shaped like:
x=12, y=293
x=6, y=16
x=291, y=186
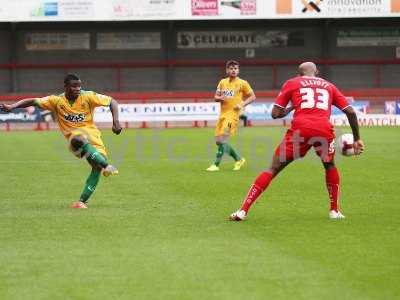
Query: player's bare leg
x=259, y=186
x=332, y=179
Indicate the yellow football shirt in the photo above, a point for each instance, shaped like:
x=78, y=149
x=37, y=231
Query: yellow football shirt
x=235, y=91
x=78, y=117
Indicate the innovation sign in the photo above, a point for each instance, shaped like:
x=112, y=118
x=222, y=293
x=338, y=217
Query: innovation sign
x=337, y=8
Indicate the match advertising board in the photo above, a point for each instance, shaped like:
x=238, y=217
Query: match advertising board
x=37, y=41
x=58, y=9
x=230, y=8
x=21, y=115
x=368, y=37
x=238, y=39
x=128, y=40
x=336, y=8
x=142, y=10
x=160, y=112
x=209, y=111
x=392, y=107
x=197, y=111
x=262, y=111
x=368, y=120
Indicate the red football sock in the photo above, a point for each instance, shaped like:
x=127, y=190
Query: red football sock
x=259, y=185
x=332, y=184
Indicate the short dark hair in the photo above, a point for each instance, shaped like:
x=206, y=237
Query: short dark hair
x=69, y=78
x=232, y=63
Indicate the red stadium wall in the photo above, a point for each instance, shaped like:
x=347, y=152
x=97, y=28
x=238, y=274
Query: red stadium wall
x=376, y=94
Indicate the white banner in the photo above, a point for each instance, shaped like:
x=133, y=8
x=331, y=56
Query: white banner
x=110, y=10
x=57, y=41
x=368, y=120
x=337, y=8
x=144, y=9
x=62, y=9
x=224, y=8
x=128, y=40
x=209, y=111
x=202, y=111
x=5, y=11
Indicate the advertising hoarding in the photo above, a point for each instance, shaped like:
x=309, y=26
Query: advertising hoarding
x=114, y=10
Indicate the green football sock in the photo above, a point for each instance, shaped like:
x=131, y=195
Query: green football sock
x=93, y=156
x=220, y=153
x=90, y=185
x=232, y=152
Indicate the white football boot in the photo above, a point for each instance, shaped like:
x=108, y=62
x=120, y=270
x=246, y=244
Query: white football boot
x=333, y=214
x=239, y=215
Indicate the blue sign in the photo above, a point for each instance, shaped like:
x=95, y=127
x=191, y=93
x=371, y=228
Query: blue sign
x=359, y=106
x=50, y=9
x=262, y=111
x=258, y=111
x=390, y=107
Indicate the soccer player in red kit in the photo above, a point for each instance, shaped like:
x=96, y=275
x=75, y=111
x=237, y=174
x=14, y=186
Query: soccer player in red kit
x=311, y=98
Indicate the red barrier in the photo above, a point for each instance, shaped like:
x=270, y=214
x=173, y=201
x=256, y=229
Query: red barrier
x=153, y=97
x=196, y=123
x=144, y=125
x=193, y=63
x=274, y=64
x=39, y=126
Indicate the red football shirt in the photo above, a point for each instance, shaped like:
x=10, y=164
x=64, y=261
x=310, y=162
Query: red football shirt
x=312, y=99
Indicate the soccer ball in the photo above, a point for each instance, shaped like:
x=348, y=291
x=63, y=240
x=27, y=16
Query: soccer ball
x=346, y=144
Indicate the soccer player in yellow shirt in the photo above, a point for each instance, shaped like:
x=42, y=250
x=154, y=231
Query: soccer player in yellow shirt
x=234, y=94
x=74, y=110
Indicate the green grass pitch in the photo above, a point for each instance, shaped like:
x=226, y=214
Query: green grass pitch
x=160, y=229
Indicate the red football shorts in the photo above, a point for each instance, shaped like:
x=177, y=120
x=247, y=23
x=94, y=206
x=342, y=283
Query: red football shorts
x=297, y=142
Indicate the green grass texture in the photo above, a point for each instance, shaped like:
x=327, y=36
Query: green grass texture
x=160, y=229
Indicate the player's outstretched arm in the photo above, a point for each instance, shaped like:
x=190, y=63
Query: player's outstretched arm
x=116, y=128
x=20, y=104
x=353, y=121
